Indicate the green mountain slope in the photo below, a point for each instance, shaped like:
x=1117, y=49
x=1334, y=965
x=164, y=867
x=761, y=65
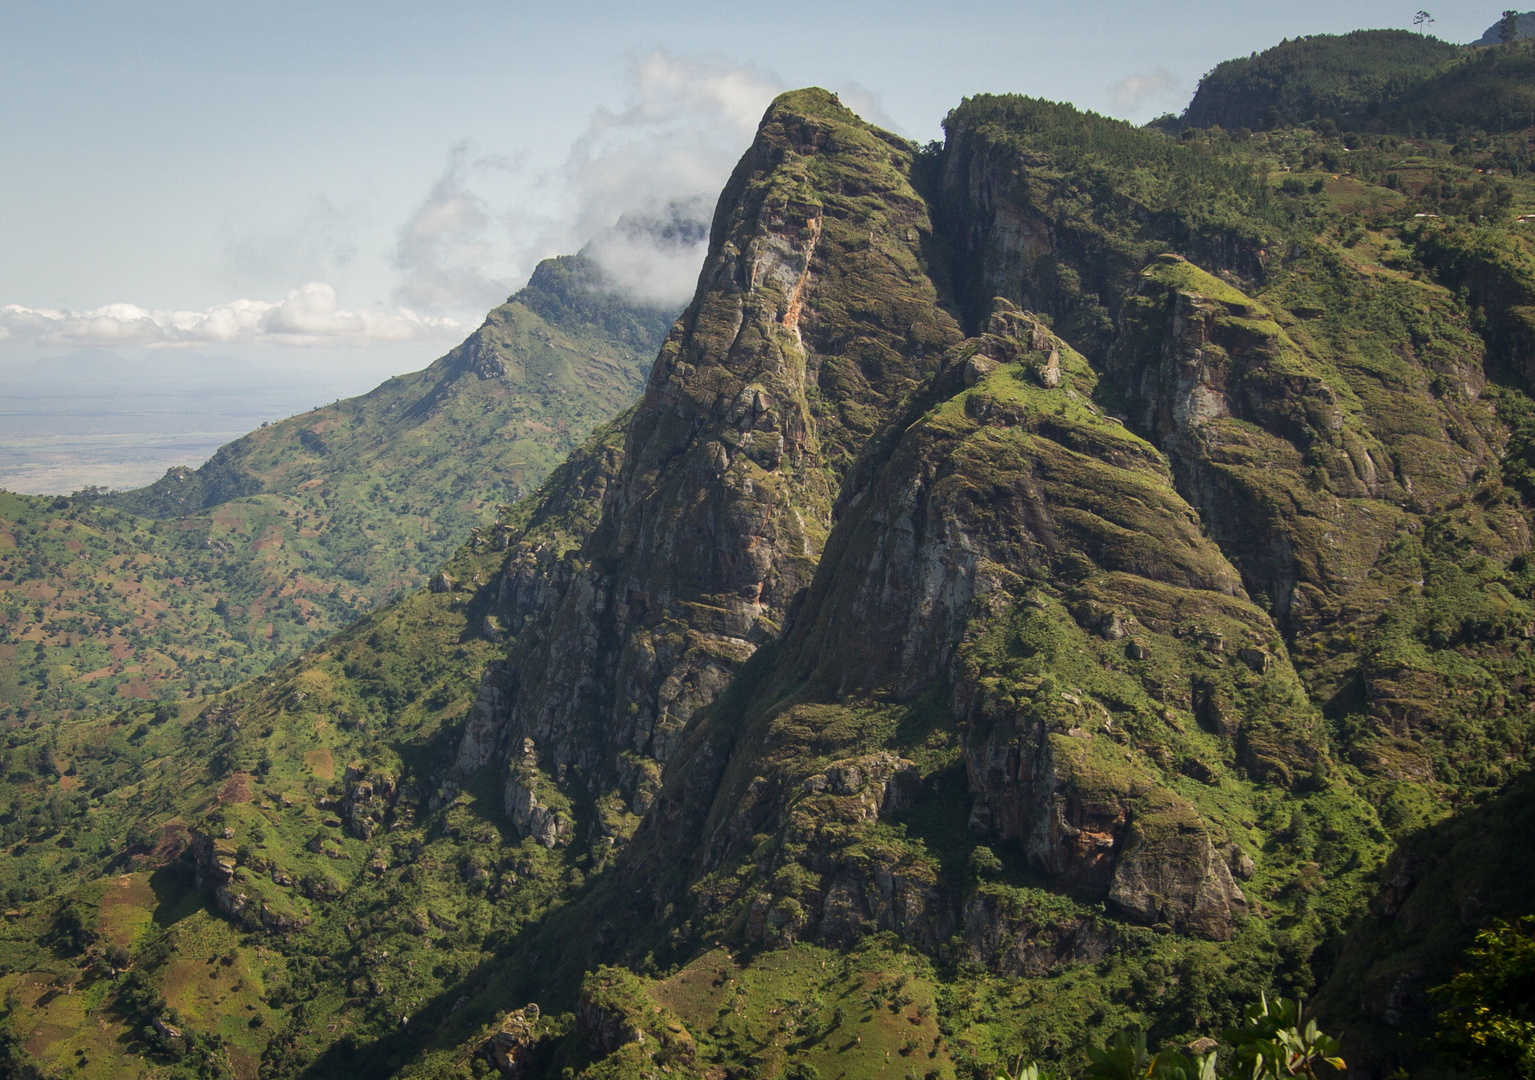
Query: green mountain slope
x=289, y=533
x=1345, y=77
x=1042, y=580
x=208, y=828
x=1441, y=886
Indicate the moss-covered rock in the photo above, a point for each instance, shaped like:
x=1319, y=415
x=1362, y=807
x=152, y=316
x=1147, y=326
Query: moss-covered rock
x=1049, y=605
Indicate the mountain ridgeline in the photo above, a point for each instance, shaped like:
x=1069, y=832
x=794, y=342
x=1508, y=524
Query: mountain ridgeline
x=1066, y=579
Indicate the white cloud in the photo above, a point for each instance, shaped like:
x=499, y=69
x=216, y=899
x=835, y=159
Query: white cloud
x=306, y=316
x=670, y=150
x=653, y=257
x=638, y=185
x=636, y=189
x=446, y=248
x=1135, y=92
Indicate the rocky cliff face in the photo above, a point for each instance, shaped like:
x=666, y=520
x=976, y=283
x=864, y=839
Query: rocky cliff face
x=1337, y=437
x=1029, y=561
x=840, y=557
x=813, y=318
x=1024, y=228
x=1273, y=443
x=1036, y=583
x=1330, y=478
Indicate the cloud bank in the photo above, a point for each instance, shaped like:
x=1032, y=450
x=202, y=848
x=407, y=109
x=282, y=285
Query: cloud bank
x=636, y=190
x=666, y=155
x=306, y=316
x=446, y=248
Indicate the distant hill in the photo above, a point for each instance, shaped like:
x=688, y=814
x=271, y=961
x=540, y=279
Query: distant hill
x=545, y=367
x=1323, y=75
x=212, y=574
x=1371, y=81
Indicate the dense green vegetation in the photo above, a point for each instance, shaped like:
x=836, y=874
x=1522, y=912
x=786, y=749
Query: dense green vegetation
x=1348, y=77
x=1489, y=1020
x=1372, y=81
x=1270, y=1044
x=101, y=605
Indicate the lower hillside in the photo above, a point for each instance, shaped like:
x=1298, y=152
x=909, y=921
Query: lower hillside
x=1440, y=887
x=291, y=832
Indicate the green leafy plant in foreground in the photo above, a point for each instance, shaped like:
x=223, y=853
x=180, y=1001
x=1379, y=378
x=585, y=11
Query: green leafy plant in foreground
x=1488, y=1024
x=1270, y=1044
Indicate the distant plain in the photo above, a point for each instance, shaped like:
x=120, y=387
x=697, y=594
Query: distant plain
x=98, y=418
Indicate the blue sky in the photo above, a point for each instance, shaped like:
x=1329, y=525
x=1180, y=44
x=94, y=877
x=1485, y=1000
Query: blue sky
x=375, y=175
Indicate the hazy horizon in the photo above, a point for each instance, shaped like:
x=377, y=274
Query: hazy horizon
x=95, y=417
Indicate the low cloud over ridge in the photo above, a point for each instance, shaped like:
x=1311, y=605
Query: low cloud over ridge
x=664, y=156
x=445, y=249
x=635, y=191
x=308, y=315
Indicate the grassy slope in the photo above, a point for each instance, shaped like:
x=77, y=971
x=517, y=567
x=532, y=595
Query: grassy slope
x=289, y=533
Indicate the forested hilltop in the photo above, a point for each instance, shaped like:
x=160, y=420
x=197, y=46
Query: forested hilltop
x=1375, y=81
x=211, y=576
x=1069, y=579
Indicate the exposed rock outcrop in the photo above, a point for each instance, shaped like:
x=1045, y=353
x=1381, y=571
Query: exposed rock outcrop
x=717, y=514
x=1169, y=873
x=367, y=801
x=236, y=892
x=512, y=1045
x=1009, y=938
x=1332, y=485
x=1243, y=412
x=1006, y=510
x=551, y=826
